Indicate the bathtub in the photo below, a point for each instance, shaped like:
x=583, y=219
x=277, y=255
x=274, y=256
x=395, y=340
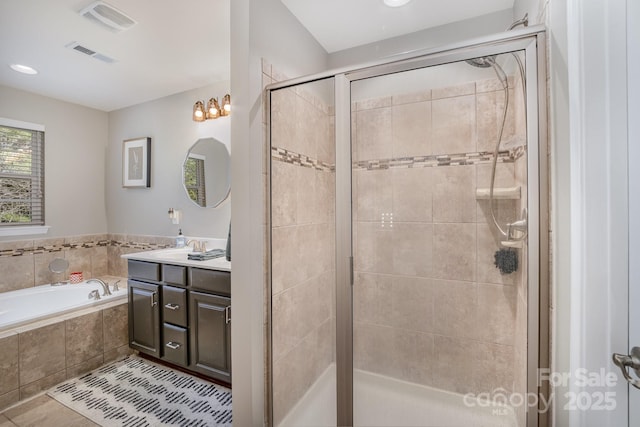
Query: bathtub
x=28, y=305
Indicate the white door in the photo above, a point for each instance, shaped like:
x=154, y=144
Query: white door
x=632, y=363
x=633, y=73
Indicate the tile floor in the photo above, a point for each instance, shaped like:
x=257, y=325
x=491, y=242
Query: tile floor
x=43, y=411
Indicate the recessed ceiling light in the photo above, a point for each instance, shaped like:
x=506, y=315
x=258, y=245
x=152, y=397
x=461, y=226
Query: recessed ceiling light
x=396, y=3
x=24, y=69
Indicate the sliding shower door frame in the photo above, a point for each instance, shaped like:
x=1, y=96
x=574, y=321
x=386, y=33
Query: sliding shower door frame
x=530, y=40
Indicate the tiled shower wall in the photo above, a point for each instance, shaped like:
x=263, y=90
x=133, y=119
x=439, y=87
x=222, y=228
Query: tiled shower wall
x=429, y=305
x=303, y=234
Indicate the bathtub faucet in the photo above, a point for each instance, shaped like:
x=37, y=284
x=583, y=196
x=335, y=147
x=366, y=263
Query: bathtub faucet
x=105, y=287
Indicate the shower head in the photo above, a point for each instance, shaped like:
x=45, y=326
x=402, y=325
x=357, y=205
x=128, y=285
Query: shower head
x=483, y=61
x=489, y=62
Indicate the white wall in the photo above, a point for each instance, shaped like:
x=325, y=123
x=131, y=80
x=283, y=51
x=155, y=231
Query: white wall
x=535, y=9
x=420, y=40
x=75, y=145
x=169, y=124
x=560, y=166
x=259, y=29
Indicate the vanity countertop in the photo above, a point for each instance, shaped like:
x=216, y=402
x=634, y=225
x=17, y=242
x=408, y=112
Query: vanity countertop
x=178, y=256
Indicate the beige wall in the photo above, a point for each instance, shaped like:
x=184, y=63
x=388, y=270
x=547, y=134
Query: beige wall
x=169, y=124
x=82, y=170
x=75, y=144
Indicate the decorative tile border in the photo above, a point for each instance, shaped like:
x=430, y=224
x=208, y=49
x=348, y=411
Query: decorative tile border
x=139, y=245
x=462, y=159
x=286, y=156
x=59, y=247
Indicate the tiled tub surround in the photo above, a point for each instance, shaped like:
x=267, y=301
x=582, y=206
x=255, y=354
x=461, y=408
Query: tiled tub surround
x=303, y=228
x=426, y=288
x=40, y=355
x=36, y=356
x=25, y=263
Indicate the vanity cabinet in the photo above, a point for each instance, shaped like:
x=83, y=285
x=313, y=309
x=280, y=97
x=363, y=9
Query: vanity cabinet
x=182, y=315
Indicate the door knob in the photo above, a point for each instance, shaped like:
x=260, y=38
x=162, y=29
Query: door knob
x=629, y=361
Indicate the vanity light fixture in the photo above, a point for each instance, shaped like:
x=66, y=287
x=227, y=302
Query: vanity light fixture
x=213, y=110
x=198, y=112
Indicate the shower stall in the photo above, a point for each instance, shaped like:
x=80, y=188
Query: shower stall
x=408, y=278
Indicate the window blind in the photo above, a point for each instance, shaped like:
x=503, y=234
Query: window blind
x=21, y=176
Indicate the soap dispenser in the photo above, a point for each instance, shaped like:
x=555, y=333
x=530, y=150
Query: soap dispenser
x=181, y=241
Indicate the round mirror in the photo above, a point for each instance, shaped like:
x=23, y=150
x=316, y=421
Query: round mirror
x=206, y=173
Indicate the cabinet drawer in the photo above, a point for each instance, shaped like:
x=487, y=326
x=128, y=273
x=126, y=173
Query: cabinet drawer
x=175, y=344
x=174, y=274
x=144, y=270
x=174, y=305
x=217, y=282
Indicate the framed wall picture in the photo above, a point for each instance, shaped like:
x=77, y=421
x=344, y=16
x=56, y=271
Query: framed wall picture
x=136, y=163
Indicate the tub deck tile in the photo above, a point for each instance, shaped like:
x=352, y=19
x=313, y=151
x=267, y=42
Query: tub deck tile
x=84, y=338
x=42, y=352
x=8, y=364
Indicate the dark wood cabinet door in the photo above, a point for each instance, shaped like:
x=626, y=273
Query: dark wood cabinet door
x=210, y=335
x=144, y=319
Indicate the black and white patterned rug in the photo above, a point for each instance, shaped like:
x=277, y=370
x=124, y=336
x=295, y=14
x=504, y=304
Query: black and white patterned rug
x=135, y=392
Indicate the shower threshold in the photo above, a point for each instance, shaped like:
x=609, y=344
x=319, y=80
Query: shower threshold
x=385, y=401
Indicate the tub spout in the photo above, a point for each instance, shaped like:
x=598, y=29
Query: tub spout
x=105, y=287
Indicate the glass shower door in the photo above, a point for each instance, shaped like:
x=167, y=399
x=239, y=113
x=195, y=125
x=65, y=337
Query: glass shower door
x=440, y=274
x=303, y=279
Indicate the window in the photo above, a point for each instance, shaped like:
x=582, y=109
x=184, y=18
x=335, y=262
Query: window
x=194, y=179
x=21, y=174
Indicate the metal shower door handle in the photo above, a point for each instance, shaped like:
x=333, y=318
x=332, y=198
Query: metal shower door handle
x=629, y=361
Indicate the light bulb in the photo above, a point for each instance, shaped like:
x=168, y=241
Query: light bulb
x=396, y=3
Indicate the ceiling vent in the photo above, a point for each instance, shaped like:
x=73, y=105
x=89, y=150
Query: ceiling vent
x=107, y=16
x=90, y=52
